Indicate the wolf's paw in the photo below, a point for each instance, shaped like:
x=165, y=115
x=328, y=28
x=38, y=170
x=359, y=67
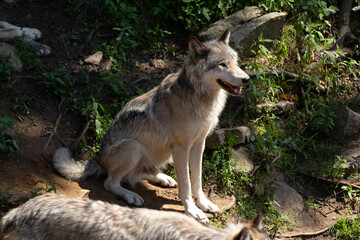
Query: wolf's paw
x=193, y=211
x=134, y=199
x=39, y=49
x=165, y=180
x=206, y=205
x=31, y=33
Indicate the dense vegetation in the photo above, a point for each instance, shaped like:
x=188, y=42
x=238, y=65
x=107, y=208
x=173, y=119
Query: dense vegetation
x=301, y=137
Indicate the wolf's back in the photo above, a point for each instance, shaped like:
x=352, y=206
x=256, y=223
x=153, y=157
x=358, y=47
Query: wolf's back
x=73, y=170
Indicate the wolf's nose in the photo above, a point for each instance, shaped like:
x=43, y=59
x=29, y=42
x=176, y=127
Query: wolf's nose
x=246, y=80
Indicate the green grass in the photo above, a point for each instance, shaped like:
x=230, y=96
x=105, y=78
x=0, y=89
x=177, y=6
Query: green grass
x=346, y=229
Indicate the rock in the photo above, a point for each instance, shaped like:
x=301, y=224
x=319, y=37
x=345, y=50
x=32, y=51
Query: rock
x=158, y=63
x=347, y=126
x=273, y=176
x=352, y=156
x=246, y=26
x=9, y=133
x=277, y=108
x=287, y=200
x=270, y=25
x=216, y=139
x=239, y=18
x=242, y=160
x=219, y=137
x=94, y=58
x=304, y=219
x=106, y=65
x=14, y=60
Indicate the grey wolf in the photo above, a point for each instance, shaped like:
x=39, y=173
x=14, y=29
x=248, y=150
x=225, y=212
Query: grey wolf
x=169, y=123
x=29, y=35
x=54, y=216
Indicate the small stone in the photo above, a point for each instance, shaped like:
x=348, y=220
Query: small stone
x=106, y=65
x=219, y=137
x=242, y=160
x=216, y=139
x=94, y=58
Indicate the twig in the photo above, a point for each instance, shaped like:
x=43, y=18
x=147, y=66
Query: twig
x=79, y=4
x=276, y=158
x=89, y=37
x=307, y=234
x=304, y=97
x=60, y=140
x=333, y=181
x=238, y=109
x=286, y=74
x=62, y=41
x=17, y=114
x=52, y=134
x=77, y=141
x=254, y=170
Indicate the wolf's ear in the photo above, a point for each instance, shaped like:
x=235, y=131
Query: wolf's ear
x=257, y=222
x=225, y=37
x=197, y=50
x=244, y=234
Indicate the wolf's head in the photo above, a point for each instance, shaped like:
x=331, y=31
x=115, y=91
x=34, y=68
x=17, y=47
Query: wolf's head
x=215, y=63
x=252, y=230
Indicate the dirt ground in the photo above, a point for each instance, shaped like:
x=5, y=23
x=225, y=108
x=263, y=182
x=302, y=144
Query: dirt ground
x=18, y=174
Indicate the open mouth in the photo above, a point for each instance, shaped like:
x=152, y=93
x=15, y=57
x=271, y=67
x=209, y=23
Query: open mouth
x=229, y=88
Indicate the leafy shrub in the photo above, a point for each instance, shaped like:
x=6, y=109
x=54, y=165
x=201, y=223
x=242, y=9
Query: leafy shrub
x=7, y=145
x=5, y=69
x=346, y=228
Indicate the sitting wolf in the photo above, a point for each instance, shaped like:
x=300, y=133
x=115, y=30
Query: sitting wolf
x=169, y=123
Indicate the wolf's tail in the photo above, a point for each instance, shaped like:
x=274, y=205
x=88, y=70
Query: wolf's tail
x=73, y=170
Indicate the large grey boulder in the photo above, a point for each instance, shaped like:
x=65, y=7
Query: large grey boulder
x=9, y=132
x=347, y=126
x=7, y=49
x=287, y=200
x=246, y=25
x=239, y=18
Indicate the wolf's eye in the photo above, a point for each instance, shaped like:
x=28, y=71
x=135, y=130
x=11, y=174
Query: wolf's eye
x=223, y=65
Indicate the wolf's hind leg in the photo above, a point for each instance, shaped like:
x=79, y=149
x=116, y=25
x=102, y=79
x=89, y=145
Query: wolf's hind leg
x=162, y=179
x=113, y=185
x=122, y=159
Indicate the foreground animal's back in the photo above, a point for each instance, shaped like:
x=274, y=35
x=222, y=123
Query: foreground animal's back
x=53, y=216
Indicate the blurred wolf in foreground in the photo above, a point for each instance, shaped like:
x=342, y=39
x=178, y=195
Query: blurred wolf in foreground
x=58, y=217
x=170, y=122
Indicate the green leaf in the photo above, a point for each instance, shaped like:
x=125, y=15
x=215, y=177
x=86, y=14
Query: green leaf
x=38, y=190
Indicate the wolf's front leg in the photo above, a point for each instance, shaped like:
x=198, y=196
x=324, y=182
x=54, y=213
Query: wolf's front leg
x=196, y=155
x=181, y=163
